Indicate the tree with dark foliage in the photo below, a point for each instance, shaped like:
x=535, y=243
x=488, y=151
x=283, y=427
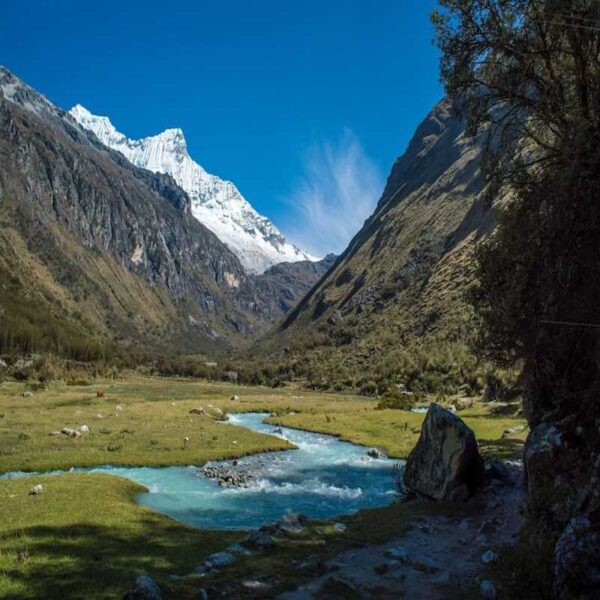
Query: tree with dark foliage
x=526, y=76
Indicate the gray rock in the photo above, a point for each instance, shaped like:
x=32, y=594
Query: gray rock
x=488, y=557
x=73, y=433
x=292, y=523
x=445, y=458
x=577, y=561
x=255, y=585
x=238, y=549
x=540, y=455
x=499, y=471
x=424, y=564
x=144, y=589
x=259, y=539
x=218, y=560
x=26, y=394
x=399, y=553
x=339, y=527
x=376, y=453
x=487, y=590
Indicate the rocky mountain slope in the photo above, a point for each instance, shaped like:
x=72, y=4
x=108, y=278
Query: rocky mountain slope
x=217, y=204
x=94, y=248
x=402, y=279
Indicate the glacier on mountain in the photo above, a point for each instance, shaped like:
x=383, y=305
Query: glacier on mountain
x=216, y=203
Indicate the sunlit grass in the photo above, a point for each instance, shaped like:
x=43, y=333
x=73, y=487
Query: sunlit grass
x=85, y=536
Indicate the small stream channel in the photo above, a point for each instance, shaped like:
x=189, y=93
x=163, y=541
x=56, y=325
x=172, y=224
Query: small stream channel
x=323, y=478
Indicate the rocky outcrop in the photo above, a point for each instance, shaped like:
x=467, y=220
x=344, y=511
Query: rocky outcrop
x=577, y=561
x=445, y=464
x=282, y=286
x=121, y=254
x=562, y=468
x=404, y=274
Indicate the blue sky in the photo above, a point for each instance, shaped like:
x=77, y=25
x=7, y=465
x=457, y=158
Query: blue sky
x=303, y=104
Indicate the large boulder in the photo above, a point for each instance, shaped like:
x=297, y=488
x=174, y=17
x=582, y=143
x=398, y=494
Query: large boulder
x=577, y=561
x=445, y=464
x=541, y=453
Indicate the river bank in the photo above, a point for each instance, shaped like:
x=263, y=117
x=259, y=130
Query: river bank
x=85, y=535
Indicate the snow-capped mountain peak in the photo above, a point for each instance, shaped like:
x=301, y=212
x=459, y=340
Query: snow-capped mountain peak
x=216, y=203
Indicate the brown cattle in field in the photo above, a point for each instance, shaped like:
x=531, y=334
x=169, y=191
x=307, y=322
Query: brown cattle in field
x=100, y=394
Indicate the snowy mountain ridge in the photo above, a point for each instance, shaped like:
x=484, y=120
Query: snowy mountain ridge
x=216, y=203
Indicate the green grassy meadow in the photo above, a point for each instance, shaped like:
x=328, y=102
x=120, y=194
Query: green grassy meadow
x=85, y=537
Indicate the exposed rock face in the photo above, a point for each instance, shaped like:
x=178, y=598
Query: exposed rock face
x=115, y=247
x=563, y=482
x=403, y=275
x=282, y=286
x=445, y=464
x=541, y=452
x=577, y=561
x=217, y=204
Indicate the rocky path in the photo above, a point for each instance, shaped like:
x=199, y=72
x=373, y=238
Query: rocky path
x=438, y=557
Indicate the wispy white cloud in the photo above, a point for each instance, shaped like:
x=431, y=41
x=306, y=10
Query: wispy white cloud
x=338, y=190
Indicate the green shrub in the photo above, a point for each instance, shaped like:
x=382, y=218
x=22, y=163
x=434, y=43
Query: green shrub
x=76, y=382
x=396, y=400
x=368, y=388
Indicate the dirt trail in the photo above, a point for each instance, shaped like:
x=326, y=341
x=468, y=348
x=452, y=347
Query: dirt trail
x=437, y=558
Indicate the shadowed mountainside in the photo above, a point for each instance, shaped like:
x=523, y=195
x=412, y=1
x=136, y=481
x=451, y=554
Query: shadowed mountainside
x=93, y=248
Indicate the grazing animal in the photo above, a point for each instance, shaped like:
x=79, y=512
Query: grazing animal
x=186, y=441
x=100, y=394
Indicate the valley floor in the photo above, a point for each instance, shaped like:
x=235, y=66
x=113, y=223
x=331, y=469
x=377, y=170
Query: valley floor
x=85, y=536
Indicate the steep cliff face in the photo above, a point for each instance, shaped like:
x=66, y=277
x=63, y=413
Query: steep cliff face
x=403, y=276
x=282, y=286
x=118, y=243
x=216, y=203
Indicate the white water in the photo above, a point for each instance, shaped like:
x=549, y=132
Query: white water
x=323, y=478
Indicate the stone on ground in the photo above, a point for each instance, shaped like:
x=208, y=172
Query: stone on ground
x=218, y=560
x=446, y=460
x=144, y=589
x=487, y=590
x=259, y=539
x=577, y=561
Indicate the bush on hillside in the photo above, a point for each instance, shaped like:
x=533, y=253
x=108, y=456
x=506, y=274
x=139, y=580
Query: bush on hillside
x=396, y=400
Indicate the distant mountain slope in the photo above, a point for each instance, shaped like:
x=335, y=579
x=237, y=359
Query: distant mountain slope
x=282, y=286
x=217, y=204
x=63, y=189
x=402, y=279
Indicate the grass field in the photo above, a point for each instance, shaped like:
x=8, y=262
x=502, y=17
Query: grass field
x=85, y=536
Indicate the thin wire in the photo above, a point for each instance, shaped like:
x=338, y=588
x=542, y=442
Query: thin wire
x=570, y=324
x=576, y=25
x=566, y=16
